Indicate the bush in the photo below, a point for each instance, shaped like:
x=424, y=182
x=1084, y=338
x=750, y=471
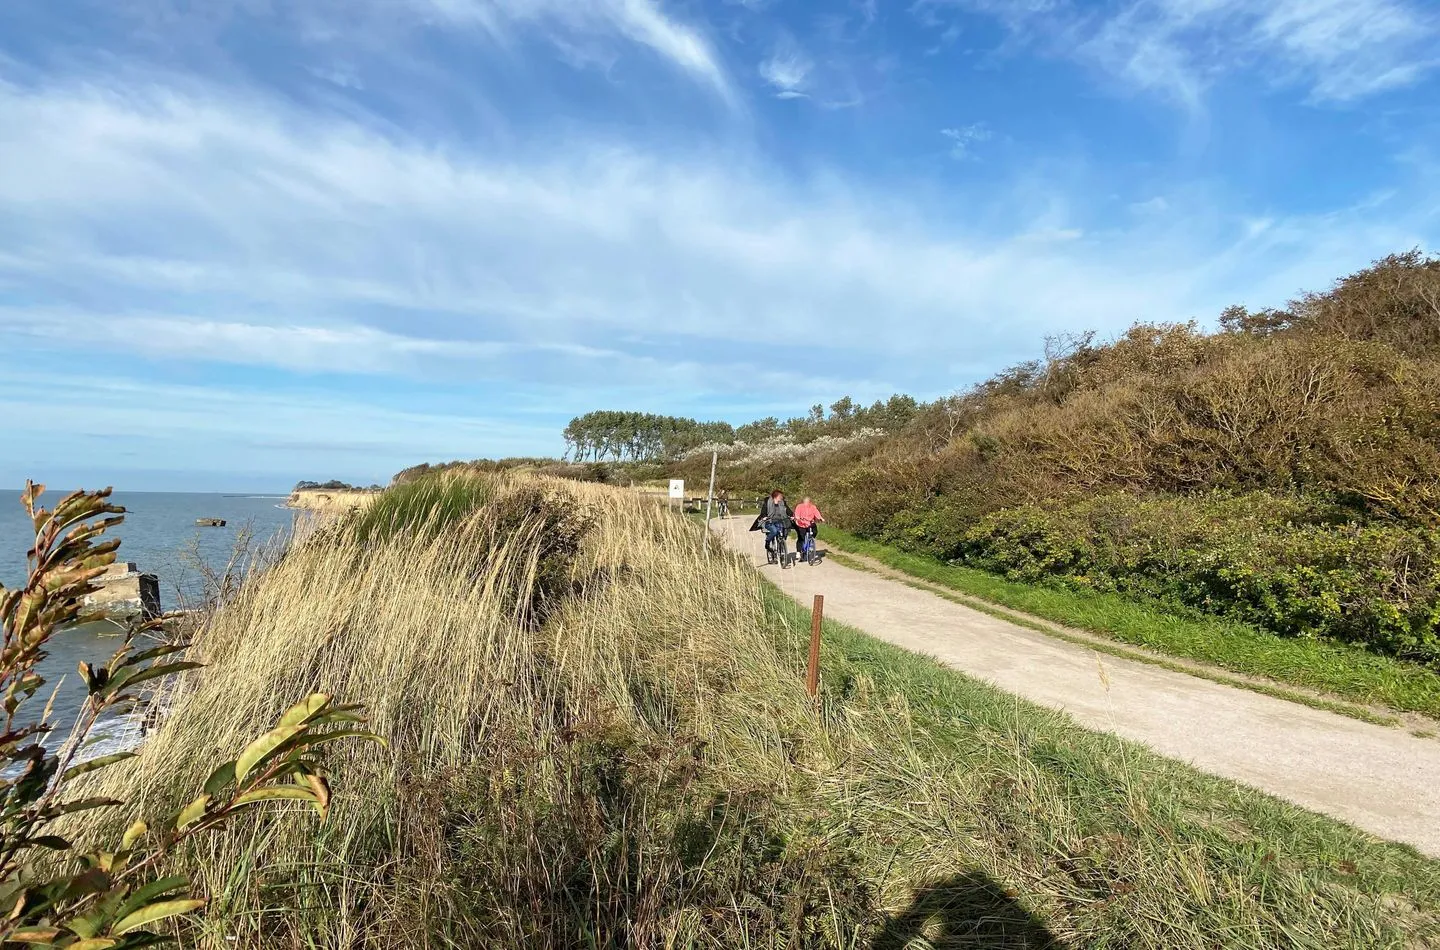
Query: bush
x=478, y=517
x=1294, y=565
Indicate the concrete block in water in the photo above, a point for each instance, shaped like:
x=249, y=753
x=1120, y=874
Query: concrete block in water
x=126, y=593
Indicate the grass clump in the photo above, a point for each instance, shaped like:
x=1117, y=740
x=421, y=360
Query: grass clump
x=638, y=765
x=425, y=505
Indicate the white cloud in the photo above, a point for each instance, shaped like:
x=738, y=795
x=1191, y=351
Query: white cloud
x=1340, y=50
x=963, y=138
x=332, y=348
x=570, y=25
x=235, y=431
x=788, y=70
x=255, y=232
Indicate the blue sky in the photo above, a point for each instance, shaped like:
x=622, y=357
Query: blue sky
x=248, y=241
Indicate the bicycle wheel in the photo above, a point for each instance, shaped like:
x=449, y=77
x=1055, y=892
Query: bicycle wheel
x=784, y=555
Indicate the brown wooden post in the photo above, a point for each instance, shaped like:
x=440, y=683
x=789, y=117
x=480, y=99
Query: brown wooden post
x=817, y=617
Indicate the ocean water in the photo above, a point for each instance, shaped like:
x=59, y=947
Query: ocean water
x=158, y=532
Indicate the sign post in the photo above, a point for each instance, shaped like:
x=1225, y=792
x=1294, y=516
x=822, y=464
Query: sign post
x=677, y=491
x=709, y=500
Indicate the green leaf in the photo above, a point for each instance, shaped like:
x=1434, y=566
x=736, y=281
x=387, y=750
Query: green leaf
x=262, y=747
x=86, y=804
x=133, y=833
x=96, y=763
x=321, y=788
x=220, y=778
x=301, y=712
x=276, y=793
x=319, y=738
x=93, y=943
x=146, y=894
x=33, y=935
x=53, y=842
x=192, y=812
x=131, y=678
x=157, y=912
x=92, y=677
x=154, y=653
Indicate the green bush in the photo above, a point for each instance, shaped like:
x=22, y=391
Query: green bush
x=1291, y=564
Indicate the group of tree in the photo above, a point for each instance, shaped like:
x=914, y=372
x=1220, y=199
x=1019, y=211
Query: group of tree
x=845, y=418
x=332, y=485
x=613, y=436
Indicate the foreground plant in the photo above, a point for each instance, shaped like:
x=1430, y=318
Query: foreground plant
x=94, y=900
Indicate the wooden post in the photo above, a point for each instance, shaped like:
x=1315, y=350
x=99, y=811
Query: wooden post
x=709, y=497
x=817, y=617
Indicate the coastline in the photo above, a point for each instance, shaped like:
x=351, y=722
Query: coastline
x=331, y=501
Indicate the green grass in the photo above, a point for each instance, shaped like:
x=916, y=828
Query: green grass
x=427, y=504
x=1333, y=668
x=1099, y=788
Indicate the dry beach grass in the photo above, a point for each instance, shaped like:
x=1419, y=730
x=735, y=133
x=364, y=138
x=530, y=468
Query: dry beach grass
x=599, y=737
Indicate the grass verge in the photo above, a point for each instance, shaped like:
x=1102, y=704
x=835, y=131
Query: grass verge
x=1113, y=790
x=1336, y=669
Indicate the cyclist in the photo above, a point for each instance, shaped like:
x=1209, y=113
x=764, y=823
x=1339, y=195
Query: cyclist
x=807, y=521
x=723, y=503
x=776, y=516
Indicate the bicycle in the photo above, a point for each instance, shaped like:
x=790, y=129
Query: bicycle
x=805, y=545
x=775, y=538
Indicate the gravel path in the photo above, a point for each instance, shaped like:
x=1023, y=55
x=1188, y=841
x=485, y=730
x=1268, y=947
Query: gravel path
x=1378, y=778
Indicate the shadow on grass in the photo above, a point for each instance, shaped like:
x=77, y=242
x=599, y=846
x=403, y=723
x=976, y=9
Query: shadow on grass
x=968, y=911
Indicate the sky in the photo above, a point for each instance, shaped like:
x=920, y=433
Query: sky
x=244, y=242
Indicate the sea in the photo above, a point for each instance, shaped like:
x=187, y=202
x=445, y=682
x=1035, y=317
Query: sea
x=160, y=537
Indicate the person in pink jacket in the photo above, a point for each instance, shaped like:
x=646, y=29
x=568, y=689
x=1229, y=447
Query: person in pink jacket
x=807, y=520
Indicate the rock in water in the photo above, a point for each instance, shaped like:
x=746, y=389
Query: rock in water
x=126, y=594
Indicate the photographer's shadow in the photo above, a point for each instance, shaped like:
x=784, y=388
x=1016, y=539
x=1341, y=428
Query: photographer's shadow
x=968, y=911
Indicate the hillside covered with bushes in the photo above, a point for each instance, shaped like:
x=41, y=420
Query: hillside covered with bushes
x=1282, y=468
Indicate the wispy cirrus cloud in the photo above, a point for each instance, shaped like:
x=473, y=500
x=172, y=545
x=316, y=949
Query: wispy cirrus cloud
x=964, y=138
x=788, y=70
x=578, y=30
x=368, y=218
x=641, y=21
x=1339, y=50
x=324, y=244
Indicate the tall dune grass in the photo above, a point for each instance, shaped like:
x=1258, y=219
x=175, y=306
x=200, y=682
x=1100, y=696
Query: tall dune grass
x=600, y=738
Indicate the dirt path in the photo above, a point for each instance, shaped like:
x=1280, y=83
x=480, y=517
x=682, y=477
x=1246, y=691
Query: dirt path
x=1378, y=778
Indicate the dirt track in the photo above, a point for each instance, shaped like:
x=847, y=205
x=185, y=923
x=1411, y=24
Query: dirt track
x=1378, y=778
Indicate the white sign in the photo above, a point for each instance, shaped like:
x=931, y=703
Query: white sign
x=677, y=488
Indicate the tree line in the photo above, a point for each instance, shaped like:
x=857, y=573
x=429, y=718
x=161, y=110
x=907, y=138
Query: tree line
x=613, y=436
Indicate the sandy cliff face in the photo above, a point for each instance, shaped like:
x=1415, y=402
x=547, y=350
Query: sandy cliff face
x=330, y=500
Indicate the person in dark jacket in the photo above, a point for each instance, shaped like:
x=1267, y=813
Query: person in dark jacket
x=776, y=517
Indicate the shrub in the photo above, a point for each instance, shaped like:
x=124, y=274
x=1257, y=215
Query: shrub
x=1292, y=564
